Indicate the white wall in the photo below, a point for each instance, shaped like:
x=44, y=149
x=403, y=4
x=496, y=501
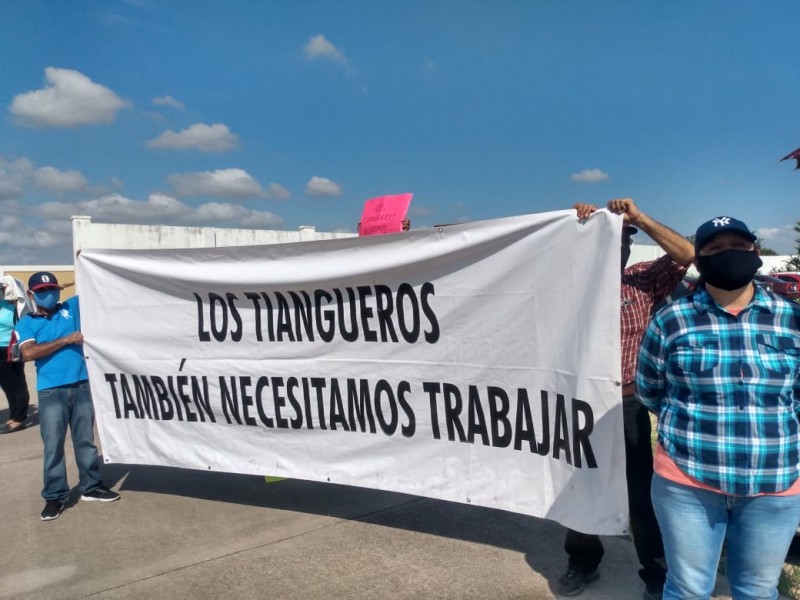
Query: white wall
x=644, y=252
x=773, y=263
x=117, y=236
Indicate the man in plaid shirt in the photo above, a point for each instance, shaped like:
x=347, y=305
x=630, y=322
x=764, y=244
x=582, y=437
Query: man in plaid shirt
x=721, y=369
x=643, y=286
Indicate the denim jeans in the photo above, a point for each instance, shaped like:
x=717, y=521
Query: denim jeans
x=586, y=551
x=59, y=408
x=695, y=523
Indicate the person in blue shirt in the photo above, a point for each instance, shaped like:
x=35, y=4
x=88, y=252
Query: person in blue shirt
x=721, y=370
x=12, y=373
x=51, y=336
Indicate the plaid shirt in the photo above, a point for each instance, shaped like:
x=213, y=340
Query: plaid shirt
x=726, y=390
x=644, y=285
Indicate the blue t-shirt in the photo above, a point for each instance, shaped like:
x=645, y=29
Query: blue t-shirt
x=7, y=310
x=67, y=364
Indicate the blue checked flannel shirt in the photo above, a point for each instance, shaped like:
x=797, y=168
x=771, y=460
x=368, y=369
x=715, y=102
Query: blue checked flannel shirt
x=726, y=390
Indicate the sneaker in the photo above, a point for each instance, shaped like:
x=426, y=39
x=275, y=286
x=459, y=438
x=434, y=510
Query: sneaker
x=100, y=494
x=52, y=510
x=653, y=592
x=575, y=580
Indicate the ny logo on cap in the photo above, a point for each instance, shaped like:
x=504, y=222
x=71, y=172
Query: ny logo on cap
x=721, y=221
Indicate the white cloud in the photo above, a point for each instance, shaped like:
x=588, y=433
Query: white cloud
x=70, y=100
x=168, y=101
x=113, y=204
x=234, y=213
x=53, y=180
x=21, y=165
x=27, y=239
x=257, y=219
x=9, y=188
x=18, y=176
x=23, y=243
x=226, y=183
x=13, y=176
x=208, y=138
x=158, y=208
x=166, y=206
x=10, y=222
x=320, y=48
x=768, y=233
x=589, y=176
x=276, y=190
x=43, y=233
x=780, y=239
x=115, y=208
x=322, y=186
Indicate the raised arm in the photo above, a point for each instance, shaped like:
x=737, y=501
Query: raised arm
x=678, y=247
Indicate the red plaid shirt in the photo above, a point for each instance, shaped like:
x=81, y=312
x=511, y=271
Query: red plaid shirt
x=644, y=285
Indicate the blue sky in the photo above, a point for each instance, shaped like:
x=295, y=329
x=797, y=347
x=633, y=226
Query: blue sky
x=275, y=114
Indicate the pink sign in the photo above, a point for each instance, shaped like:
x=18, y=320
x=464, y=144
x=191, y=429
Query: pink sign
x=384, y=214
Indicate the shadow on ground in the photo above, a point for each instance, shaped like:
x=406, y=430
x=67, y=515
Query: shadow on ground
x=481, y=525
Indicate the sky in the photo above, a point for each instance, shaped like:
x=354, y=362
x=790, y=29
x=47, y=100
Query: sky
x=276, y=113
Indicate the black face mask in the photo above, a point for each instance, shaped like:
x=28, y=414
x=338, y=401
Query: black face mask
x=730, y=269
x=626, y=254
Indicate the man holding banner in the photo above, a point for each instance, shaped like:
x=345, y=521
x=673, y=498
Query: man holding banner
x=52, y=337
x=643, y=286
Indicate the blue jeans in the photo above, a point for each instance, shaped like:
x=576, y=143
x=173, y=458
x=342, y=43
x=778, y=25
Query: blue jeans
x=60, y=407
x=694, y=524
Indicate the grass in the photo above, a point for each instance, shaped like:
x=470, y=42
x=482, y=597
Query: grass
x=789, y=584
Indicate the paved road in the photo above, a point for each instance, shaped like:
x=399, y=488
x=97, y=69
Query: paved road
x=191, y=534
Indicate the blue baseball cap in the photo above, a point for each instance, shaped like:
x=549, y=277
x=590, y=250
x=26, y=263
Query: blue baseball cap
x=42, y=280
x=718, y=225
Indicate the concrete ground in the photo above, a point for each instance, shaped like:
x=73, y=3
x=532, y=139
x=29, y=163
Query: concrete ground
x=192, y=534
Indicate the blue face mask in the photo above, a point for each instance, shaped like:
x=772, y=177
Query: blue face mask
x=47, y=299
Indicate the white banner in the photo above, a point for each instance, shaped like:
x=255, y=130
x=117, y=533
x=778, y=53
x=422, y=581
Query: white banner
x=476, y=363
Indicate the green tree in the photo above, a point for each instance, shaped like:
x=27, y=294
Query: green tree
x=765, y=251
